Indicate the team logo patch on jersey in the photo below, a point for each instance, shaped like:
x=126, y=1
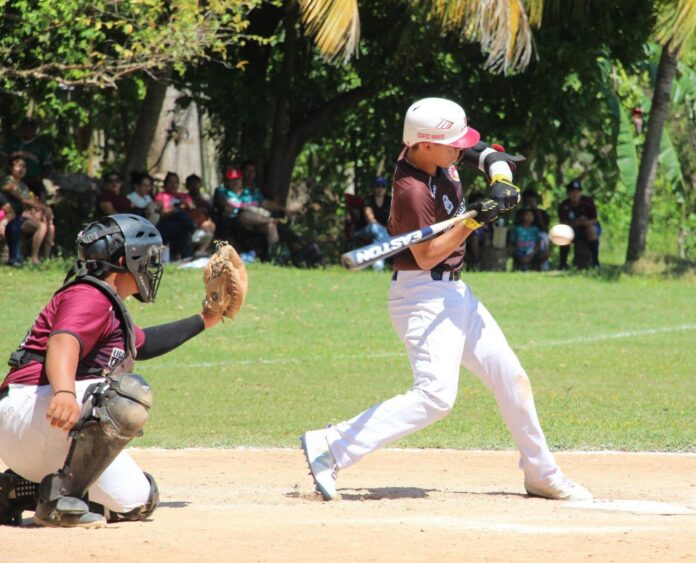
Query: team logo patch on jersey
x=454, y=173
x=116, y=357
x=449, y=206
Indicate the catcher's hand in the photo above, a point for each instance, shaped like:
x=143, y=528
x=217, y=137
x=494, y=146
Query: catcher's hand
x=226, y=283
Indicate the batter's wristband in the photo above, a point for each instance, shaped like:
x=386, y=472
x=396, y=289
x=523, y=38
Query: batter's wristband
x=502, y=178
x=472, y=224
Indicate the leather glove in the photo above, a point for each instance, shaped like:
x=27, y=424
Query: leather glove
x=504, y=193
x=226, y=282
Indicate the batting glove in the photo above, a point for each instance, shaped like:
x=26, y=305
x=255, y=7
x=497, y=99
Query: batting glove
x=486, y=212
x=504, y=193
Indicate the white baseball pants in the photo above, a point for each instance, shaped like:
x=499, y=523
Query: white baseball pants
x=31, y=447
x=444, y=326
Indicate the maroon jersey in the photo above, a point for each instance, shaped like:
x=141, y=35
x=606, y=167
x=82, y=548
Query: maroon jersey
x=585, y=208
x=85, y=312
x=420, y=200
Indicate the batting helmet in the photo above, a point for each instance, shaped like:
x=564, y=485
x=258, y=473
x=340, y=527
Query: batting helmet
x=436, y=120
x=101, y=245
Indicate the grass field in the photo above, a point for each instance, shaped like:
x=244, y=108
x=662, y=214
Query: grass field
x=611, y=358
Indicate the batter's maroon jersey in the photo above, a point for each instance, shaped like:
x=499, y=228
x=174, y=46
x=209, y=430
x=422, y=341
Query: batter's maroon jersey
x=85, y=312
x=420, y=200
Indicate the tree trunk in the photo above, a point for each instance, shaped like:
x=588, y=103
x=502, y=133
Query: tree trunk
x=645, y=187
x=278, y=174
x=142, y=136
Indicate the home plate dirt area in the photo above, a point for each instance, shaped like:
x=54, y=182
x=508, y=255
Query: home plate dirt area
x=397, y=505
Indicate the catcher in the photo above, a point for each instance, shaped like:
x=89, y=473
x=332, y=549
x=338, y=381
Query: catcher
x=71, y=402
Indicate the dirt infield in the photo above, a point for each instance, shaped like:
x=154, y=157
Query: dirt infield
x=397, y=505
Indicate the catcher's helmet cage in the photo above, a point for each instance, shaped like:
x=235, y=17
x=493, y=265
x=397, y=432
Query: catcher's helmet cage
x=102, y=243
x=440, y=121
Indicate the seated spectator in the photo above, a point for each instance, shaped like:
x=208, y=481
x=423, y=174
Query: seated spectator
x=376, y=215
x=110, y=200
x=194, y=185
x=530, y=200
x=175, y=224
x=246, y=208
x=201, y=215
x=141, y=197
x=27, y=217
x=579, y=211
x=27, y=144
x=524, y=243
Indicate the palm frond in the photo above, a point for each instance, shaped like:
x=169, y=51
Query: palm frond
x=335, y=26
x=500, y=26
x=676, y=23
x=535, y=9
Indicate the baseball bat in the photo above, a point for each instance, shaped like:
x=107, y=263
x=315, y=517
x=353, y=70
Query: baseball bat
x=370, y=253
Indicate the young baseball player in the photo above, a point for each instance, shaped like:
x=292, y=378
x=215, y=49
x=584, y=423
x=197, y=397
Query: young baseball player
x=439, y=320
x=71, y=402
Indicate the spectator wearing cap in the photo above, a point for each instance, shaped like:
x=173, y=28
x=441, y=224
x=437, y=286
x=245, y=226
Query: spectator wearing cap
x=580, y=212
x=248, y=208
x=33, y=149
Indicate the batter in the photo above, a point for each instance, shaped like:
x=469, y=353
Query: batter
x=437, y=317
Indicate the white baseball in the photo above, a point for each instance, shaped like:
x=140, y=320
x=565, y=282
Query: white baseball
x=561, y=234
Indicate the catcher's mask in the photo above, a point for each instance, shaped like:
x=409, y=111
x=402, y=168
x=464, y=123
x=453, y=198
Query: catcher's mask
x=102, y=244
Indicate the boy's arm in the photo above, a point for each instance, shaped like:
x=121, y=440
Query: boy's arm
x=62, y=357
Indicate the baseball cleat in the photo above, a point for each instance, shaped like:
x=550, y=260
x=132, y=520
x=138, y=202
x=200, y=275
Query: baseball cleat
x=558, y=487
x=322, y=465
x=67, y=512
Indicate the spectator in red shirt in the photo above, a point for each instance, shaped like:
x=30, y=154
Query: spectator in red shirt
x=111, y=201
x=580, y=212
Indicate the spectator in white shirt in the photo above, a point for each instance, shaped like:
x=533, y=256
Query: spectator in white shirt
x=141, y=197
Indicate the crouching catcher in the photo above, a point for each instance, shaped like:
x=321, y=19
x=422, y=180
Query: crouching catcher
x=73, y=374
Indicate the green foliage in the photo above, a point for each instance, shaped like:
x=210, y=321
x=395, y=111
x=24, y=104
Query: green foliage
x=98, y=42
x=610, y=358
x=79, y=65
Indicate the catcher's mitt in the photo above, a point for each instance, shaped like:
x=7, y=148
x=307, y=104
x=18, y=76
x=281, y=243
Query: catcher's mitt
x=226, y=284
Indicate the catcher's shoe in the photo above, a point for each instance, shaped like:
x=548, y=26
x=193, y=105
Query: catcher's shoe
x=16, y=496
x=558, y=487
x=322, y=465
x=67, y=512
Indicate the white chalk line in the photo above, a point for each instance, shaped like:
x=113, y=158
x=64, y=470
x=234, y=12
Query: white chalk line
x=454, y=523
x=374, y=355
x=418, y=451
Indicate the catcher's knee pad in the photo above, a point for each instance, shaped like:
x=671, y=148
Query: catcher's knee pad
x=16, y=496
x=113, y=413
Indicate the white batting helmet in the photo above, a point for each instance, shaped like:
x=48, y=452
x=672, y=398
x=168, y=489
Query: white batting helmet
x=436, y=120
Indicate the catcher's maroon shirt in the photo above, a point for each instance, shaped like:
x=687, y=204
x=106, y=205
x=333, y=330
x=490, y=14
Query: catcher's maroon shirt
x=85, y=312
x=420, y=200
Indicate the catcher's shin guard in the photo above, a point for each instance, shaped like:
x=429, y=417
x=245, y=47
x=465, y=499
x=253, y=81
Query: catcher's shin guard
x=114, y=412
x=16, y=496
